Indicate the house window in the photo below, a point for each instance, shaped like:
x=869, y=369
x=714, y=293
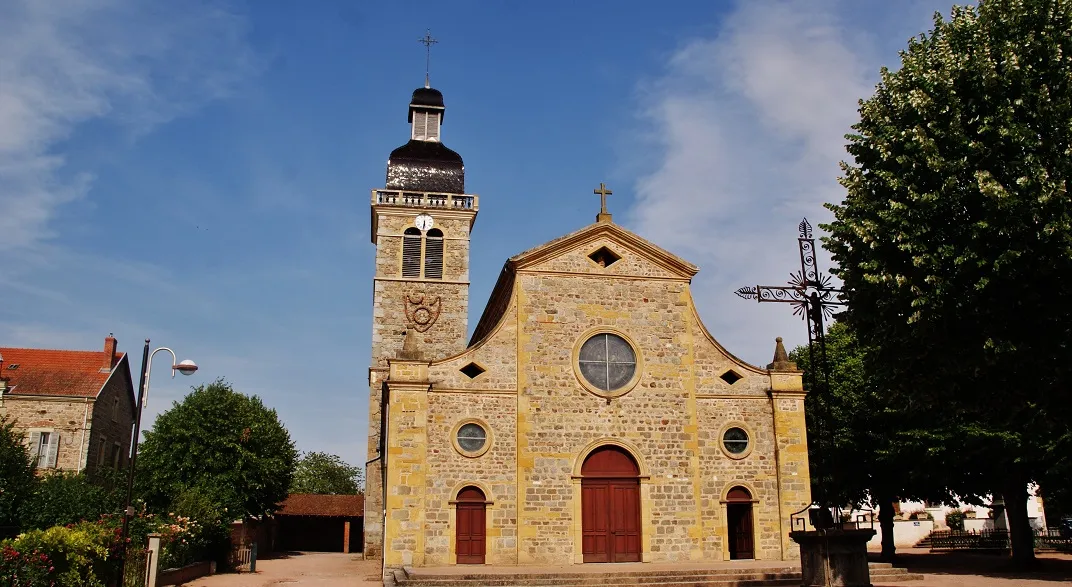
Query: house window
x=115, y=409
x=117, y=453
x=102, y=452
x=44, y=448
x=422, y=254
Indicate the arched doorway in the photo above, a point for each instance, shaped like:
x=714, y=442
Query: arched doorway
x=610, y=507
x=739, y=523
x=470, y=537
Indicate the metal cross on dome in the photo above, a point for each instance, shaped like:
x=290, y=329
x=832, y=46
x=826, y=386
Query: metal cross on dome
x=427, y=41
x=809, y=290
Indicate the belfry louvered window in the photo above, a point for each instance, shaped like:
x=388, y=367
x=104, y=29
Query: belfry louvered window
x=411, y=253
x=433, y=254
x=422, y=255
x=426, y=126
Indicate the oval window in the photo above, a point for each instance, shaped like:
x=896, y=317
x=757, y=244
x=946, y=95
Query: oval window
x=607, y=361
x=472, y=437
x=735, y=440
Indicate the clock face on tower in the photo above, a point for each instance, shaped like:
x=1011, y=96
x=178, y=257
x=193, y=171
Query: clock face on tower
x=423, y=222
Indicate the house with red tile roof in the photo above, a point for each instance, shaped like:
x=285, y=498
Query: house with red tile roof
x=75, y=408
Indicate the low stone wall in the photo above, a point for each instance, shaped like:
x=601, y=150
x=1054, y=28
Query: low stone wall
x=906, y=533
x=185, y=574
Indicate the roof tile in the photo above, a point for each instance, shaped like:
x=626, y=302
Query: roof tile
x=54, y=372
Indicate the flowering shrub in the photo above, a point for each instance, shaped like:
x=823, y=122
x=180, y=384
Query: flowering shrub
x=79, y=554
x=22, y=568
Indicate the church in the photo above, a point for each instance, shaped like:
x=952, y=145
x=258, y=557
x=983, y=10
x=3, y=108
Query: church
x=590, y=418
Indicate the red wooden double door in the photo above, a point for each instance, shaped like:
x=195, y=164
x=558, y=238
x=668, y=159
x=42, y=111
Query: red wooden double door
x=610, y=507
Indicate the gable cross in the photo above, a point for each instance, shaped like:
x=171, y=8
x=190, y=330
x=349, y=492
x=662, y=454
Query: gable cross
x=603, y=193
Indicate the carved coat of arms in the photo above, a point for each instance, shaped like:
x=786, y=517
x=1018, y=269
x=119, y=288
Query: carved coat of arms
x=421, y=314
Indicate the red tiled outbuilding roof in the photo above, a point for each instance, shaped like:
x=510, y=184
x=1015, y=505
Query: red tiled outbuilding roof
x=308, y=504
x=58, y=372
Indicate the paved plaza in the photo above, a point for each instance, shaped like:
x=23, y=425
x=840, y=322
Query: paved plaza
x=952, y=570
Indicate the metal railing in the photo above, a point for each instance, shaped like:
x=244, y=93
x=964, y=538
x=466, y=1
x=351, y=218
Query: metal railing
x=136, y=567
x=424, y=199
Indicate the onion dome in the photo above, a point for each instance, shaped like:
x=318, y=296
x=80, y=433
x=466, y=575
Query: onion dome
x=425, y=164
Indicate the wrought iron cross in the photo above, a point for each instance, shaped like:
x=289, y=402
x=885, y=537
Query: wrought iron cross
x=603, y=193
x=428, y=41
x=808, y=291
x=814, y=300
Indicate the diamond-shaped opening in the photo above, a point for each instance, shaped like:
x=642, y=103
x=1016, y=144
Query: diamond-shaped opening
x=472, y=370
x=604, y=257
x=731, y=377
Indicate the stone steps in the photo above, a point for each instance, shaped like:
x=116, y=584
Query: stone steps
x=686, y=577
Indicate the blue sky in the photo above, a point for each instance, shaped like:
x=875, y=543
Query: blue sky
x=198, y=172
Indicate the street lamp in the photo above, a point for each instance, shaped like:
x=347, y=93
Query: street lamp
x=186, y=367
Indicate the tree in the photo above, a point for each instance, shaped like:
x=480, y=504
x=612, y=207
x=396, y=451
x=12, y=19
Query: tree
x=228, y=445
x=882, y=450
x=320, y=472
x=954, y=240
x=16, y=474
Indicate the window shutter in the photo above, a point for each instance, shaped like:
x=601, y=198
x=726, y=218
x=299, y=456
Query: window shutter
x=53, y=449
x=35, y=446
x=411, y=253
x=433, y=255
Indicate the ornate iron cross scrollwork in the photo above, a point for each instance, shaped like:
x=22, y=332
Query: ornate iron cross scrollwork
x=814, y=300
x=809, y=290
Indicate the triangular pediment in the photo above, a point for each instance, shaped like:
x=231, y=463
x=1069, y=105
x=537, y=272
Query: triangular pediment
x=604, y=248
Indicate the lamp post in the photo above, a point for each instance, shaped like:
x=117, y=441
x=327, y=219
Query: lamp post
x=186, y=367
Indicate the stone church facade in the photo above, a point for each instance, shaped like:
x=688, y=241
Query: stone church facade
x=591, y=417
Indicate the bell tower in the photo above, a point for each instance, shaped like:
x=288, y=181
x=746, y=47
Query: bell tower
x=421, y=221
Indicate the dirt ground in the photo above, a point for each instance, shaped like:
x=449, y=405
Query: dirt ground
x=297, y=569
x=940, y=570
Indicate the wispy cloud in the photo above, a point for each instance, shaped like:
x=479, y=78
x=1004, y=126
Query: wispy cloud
x=128, y=63
x=746, y=130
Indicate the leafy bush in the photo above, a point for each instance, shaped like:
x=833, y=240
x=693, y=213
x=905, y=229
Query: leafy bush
x=24, y=568
x=61, y=498
x=202, y=530
x=80, y=555
x=955, y=520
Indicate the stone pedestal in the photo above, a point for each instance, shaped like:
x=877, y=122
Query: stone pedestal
x=834, y=558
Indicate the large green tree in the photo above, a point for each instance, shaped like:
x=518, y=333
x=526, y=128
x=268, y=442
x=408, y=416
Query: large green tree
x=955, y=239
x=225, y=444
x=882, y=448
x=320, y=472
x=16, y=475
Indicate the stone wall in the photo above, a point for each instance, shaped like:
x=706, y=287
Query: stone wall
x=112, y=419
x=64, y=416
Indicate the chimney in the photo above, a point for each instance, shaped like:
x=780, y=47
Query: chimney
x=110, y=344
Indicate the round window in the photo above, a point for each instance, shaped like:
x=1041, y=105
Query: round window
x=735, y=440
x=607, y=361
x=472, y=437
